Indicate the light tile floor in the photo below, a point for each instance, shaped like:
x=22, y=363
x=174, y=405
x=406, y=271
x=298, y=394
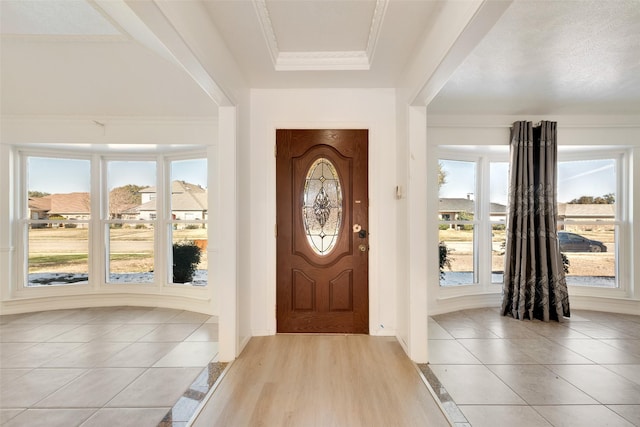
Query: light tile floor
x=120, y=366
x=130, y=366
x=496, y=371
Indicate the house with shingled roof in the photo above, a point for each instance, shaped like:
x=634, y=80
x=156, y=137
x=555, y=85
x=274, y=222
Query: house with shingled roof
x=451, y=209
x=188, y=202
x=68, y=205
x=604, y=214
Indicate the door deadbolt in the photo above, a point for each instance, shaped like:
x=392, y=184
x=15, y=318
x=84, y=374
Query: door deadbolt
x=363, y=248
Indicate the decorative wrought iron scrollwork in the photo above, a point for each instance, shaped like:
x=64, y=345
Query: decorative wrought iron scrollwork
x=322, y=206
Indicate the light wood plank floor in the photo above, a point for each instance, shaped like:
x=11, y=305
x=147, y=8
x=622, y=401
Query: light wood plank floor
x=322, y=380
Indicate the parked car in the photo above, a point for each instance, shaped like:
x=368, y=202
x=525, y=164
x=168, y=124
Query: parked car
x=571, y=242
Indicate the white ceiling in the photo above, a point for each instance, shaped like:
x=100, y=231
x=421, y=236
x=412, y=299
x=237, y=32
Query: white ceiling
x=68, y=18
x=322, y=43
x=552, y=57
x=66, y=57
x=73, y=57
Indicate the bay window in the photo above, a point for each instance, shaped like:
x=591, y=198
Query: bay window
x=110, y=220
x=473, y=207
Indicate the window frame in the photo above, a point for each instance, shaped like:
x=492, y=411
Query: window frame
x=169, y=221
x=481, y=219
x=484, y=156
x=621, y=222
x=106, y=222
x=98, y=249
x=24, y=221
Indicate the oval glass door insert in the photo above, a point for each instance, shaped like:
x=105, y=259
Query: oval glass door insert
x=322, y=206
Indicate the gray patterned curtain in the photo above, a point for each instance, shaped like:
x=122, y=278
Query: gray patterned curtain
x=534, y=282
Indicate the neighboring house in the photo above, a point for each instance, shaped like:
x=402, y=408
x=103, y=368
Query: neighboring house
x=68, y=205
x=127, y=211
x=188, y=202
x=39, y=207
x=453, y=209
x=568, y=212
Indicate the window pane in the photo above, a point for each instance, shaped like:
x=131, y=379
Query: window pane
x=456, y=254
x=59, y=204
x=590, y=252
x=190, y=239
x=58, y=255
x=58, y=188
x=457, y=181
x=131, y=186
x=586, y=214
x=499, y=190
x=131, y=253
x=189, y=256
x=590, y=183
x=189, y=189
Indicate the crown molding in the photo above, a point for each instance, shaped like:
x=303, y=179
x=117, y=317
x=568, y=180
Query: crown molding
x=56, y=38
x=321, y=60
x=376, y=25
x=267, y=29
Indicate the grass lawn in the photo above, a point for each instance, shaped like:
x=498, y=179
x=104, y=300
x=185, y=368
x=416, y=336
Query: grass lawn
x=53, y=250
x=43, y=261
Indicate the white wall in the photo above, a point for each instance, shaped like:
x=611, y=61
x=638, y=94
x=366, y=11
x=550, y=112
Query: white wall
x=614, y=131
x=372, y=109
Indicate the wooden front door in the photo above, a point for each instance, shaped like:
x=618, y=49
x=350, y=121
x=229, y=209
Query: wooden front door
x=322, y=231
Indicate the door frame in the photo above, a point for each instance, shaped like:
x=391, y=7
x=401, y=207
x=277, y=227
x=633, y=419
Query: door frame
x=359, y=151
x=376, y=323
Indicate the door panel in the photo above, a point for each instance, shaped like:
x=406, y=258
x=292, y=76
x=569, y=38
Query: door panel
x=322, y=261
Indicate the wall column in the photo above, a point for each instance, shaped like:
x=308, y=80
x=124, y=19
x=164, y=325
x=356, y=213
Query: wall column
x=417, y=222
x=7, y=216
x=226, y=270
